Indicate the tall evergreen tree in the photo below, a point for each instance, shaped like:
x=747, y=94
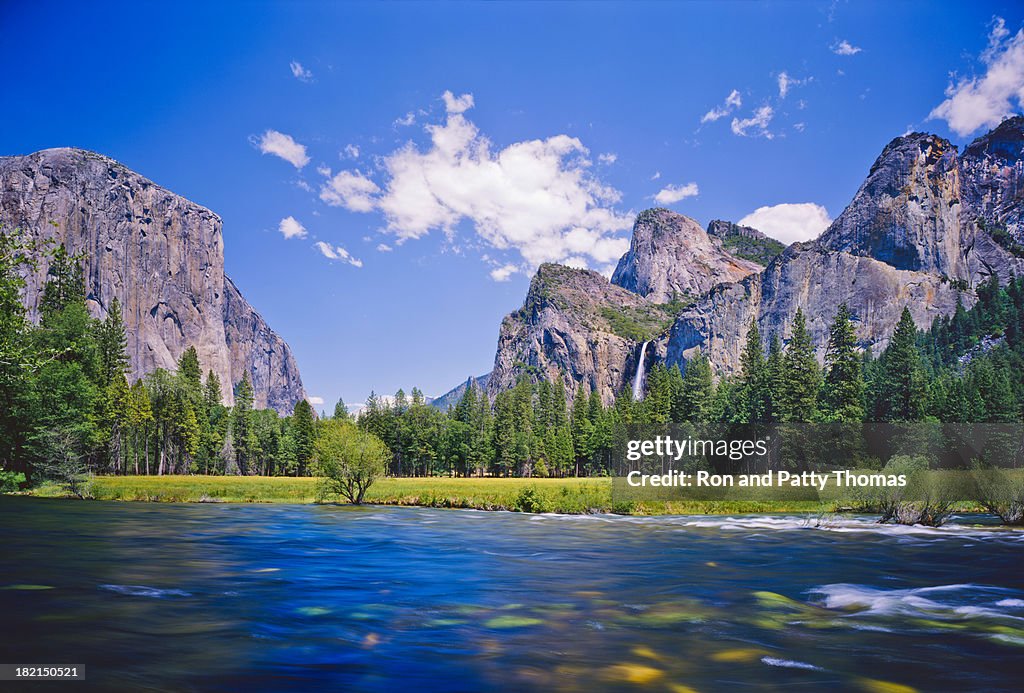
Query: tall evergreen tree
x=754, y=390
x=113, y=344
x=304, y=435
x=842, y=397
x=243, y=436
x=801, y=375
x=898, y=391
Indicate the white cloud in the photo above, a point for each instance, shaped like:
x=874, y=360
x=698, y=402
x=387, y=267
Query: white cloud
x=300, y=73
x=282, y=145
x=671, y=194
x=384, y=248
x=973, y=103
x=315, y=401
x=538, y=197
x=406, y=120
x=457, y=104
x=732, y=102
x=844, y=47
x=608, y=158
x=351, y=190
x=324, y=170
x=337, y=253
x=351, y=151
x=502, y=274
x=757, y=122
x=291, y=228
x=786, y=83
x=656, y=176
x=789, y=222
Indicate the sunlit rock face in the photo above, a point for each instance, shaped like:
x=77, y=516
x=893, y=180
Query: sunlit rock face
x=672, y=255
x=161, y=255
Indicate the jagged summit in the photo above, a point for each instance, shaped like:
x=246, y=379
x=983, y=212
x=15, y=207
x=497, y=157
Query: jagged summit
x=927, y=225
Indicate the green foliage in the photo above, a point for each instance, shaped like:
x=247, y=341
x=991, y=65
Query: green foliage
x=759, y=250
x=801, y=377
x=898, y=386
x=349, y=459
x=641, y=323
x=842, y=396
x=11, y=482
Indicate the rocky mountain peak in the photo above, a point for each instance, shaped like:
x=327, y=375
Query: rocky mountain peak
x=671, y=255
x=907, y=211
x=161, y=255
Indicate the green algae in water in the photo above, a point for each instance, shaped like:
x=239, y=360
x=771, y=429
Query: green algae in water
x=501, y=622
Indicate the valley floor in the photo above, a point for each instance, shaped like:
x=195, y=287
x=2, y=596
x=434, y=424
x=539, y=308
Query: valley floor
x=569, y=495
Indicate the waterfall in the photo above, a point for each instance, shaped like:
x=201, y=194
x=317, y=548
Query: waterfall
x=638, y=381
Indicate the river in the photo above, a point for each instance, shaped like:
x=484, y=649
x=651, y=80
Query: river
x=298, y=597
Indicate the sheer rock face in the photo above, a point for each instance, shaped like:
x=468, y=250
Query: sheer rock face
x=993, y=172
x=817, y=280
x=927, y=226
x=925, y=208
x=925, y=221
x=671, y=255
x=561, y=330
x=159, y=254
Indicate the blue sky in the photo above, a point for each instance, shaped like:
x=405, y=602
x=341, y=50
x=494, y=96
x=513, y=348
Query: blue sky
x=390, y=174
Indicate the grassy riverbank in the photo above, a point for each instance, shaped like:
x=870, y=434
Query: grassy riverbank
x=528, y=495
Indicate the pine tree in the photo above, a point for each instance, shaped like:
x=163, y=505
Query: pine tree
x=243, y=436
x=113, y=344
x=65, y=283
x=304, y=435
x=842, y=396
x=752, y=377
x=341, y=411
x=801, y=375
x=899, y=388
x=694, y=401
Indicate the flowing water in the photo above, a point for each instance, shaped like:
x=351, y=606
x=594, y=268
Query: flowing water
x=638, y=379
x=295, y=597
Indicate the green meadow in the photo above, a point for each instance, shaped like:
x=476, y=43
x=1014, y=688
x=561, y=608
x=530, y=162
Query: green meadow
x=569, y=495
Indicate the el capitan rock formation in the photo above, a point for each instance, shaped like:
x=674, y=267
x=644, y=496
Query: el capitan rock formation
x=161, y=255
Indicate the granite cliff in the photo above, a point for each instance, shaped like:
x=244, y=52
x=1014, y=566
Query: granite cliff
x=161, y=255
x=928, y=225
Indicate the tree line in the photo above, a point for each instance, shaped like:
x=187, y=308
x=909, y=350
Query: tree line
x=67, y=395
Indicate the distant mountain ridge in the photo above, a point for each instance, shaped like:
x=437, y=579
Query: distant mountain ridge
x=161, y=255
x=927, y=226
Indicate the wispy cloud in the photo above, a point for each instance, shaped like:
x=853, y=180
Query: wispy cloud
x=337, y=253
x=608, y=158
x=789, y=222
x=503, y=273
x=350, y=151
x=756, y=125
x=671, y=194
x=732, y=102
x=384, y=248
x=844, y=47
x=976, y=102
x=406, y=120
x=291, y=228
x=351, y=190
x=315, y=401
x=537, y=197
x=299, y=72
x=283, y=146
x=786, y=83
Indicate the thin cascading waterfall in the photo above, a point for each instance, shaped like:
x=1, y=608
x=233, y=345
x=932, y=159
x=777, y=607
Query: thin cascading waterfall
x=638, y=381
